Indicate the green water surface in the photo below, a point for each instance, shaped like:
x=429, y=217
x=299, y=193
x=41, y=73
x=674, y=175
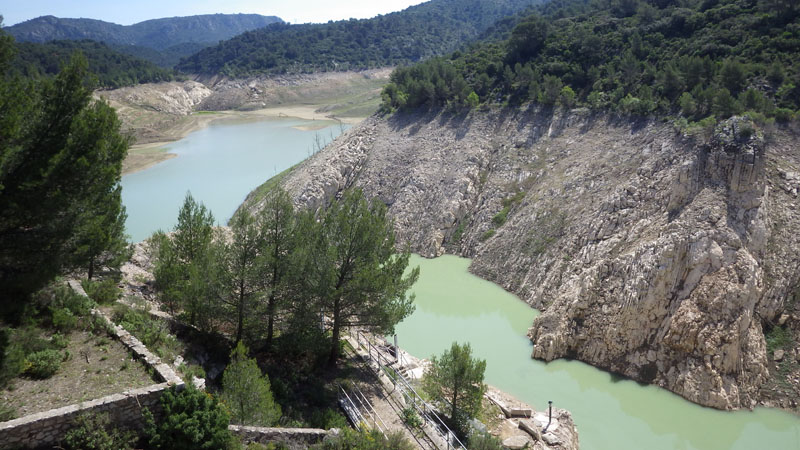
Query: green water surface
x=220, y=165
x=611, y=413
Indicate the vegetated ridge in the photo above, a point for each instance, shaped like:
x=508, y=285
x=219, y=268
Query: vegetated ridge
x=659, y=250
x=416, y=33
x=112, y=68
x=162, y=41
x=700, y=60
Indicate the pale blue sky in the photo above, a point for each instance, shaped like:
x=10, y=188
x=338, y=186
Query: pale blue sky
x=128, y=12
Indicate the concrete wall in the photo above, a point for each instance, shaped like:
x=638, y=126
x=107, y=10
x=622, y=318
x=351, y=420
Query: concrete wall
x=47, y=428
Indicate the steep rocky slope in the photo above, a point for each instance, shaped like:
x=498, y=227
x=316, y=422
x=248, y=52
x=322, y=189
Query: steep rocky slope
x=657, y=256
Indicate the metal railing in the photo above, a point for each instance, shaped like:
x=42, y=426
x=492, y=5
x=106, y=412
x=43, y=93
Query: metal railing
x=353, y=410
x=411, y=396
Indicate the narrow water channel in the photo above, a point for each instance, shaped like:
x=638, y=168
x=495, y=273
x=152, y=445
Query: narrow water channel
x=611, y=413
x=220, y=165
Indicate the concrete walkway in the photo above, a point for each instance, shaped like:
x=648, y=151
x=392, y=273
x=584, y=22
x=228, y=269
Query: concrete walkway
x=386, y=401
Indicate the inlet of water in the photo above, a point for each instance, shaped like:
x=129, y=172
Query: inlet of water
x=220, y=165
x=611, y=413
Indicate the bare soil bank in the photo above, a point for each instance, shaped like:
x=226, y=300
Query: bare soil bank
x=154, y=114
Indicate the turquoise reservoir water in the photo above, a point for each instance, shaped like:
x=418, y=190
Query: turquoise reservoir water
x=220, y=165
x=454, y=305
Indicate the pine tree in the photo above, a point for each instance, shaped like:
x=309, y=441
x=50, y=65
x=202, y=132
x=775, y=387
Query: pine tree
x=247, y=393
x=455, y=382
x=60, y=156
x=352, y=270
x=185, y=271
x=241, y=272
x=277, y=221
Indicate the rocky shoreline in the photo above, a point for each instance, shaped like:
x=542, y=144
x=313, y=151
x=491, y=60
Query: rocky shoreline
x=658, y=256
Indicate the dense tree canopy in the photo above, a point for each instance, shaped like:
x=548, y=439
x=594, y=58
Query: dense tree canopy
x=60, y=161
x=112, y=68
x=289, y=268
x=420, y=32
x=351, y=271
x=693, y=58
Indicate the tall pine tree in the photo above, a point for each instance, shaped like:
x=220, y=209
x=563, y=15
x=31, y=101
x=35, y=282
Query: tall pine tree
x=352, y=270
x=61, y=155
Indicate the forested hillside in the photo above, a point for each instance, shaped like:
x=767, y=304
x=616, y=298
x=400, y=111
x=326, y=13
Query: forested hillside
x=699, y=59
x=112, y=68
x=419, y=32
x=162, y=41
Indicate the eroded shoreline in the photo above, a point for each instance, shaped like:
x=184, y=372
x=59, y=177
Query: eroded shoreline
x=148, y=154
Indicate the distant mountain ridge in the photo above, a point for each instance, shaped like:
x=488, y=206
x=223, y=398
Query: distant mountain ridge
x=171, y=38
x=158, y=34
x=419, y=32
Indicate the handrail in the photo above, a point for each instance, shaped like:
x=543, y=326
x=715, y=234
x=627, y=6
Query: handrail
x=423, y=408
x=355, y=412
x=370, y=407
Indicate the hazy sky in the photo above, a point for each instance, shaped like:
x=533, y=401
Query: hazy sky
x=128, y=12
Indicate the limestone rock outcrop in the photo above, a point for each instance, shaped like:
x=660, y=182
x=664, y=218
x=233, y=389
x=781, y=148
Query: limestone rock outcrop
x=651, y=254
x=174, y=97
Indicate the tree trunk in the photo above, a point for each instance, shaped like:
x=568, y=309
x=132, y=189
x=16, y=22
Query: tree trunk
x=270, y=318
x=91, y=268
x=240, y=325
x=455, y=396
x=335, y=335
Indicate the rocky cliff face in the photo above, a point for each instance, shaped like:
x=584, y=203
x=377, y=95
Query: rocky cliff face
x=651, y=255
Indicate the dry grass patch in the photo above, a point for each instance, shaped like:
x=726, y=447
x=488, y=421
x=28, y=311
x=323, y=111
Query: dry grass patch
x=95, y=366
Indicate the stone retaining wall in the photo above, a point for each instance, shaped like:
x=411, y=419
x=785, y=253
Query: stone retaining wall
x=47, y=428
x=294, y=438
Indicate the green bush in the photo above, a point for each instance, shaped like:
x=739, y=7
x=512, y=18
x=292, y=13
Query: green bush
x=366, y=440
x=59, y=341
x=78, y=305
x=411, y=418
x=486, y=235
x=783, y=114
x=777, y=338
x=484, y=441
x=500, y=218
x=44, y=364
x=153, y=333
x=94, y=432
x=64, y=320
x=190, y=371
x=7, y=412
x=327, y=418
x=192, y=419
x=102, y=292
x=30, y=340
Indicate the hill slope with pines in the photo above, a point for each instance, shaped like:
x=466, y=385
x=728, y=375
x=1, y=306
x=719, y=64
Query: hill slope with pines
x=433, y=28
x=163, y=41
x=697, y=59
x=112, y=68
